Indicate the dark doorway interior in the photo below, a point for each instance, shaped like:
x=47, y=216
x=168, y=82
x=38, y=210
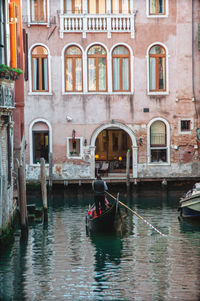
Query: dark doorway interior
x=40, y=146
x=111, y=149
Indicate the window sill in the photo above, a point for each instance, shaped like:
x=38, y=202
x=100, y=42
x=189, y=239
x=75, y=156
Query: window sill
x=158, y=164
x=38, y=23
x=157, y=93
x=37, y=164
x=157, y=16
x=74, y=157
x=40, y=93
x=97, y=93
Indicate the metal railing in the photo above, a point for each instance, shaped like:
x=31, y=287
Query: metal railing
x=7, y=95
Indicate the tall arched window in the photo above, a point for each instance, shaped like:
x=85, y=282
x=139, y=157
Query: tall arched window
x=40, y=76
x=96, y=6
x=97, y=69
x=157, y=69
x=73, y=69
x=158, y=142
x=121, y=69
x=120, y=6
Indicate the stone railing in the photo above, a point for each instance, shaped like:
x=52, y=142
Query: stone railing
x=97, y=23
x=7, y=94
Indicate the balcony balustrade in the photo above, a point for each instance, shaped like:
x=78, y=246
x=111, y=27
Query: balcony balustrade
x=71, y=23
x=7, y=94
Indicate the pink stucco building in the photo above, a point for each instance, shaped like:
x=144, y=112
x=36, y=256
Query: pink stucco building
x=108, y=76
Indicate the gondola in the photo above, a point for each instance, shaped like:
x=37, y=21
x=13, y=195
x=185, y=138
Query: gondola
x=108, y=221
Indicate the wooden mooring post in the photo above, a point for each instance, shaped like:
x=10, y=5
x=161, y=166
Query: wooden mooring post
x=128, y=168
x=22, y=203
x=43, y=188
x=50, y=170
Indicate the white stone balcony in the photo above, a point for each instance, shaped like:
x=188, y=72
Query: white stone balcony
x=73, y=23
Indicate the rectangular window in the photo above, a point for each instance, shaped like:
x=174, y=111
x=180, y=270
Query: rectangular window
x=73, y=6
x=40, y=146
x=185, y=125
x=74, y=147
x=96, y=6
x=120, y=6
x=156, y=7
x=38, y=11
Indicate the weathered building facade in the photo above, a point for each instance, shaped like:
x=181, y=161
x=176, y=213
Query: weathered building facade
x=10, y=41
x=110, y=76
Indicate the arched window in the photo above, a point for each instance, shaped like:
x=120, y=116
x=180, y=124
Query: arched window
x=73, y=69
x=40, y=76
x=97, y=69
x=96, y=6
x=158, y=142
x=120, y=6
x=73, y=6
x=157, y=69
x=121, y=69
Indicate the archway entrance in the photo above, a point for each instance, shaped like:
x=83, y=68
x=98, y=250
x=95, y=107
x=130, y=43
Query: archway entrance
x=111, y=147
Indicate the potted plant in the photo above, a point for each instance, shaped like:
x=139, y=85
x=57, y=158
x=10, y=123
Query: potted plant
x=9, y=73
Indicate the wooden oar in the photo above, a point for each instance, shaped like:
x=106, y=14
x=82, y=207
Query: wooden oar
x=139, y=216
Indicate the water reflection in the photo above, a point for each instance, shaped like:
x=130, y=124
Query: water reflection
x=60, y=261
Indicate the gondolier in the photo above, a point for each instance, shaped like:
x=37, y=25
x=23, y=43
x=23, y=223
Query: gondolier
x=99, y=186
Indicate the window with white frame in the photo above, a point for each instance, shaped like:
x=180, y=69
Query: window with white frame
x=38, y=11
x=157, y=69
x=97, y=69
x=185, y=125
x=73, y=69
x=73, y=6
x=121, y=69
x=157, y=7
x=40, y=72
x=120, y=6
x=96, y=6
x=74, y=146
x=158, y=142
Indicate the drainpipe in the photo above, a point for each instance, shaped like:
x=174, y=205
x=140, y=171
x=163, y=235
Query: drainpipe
x=193, y=49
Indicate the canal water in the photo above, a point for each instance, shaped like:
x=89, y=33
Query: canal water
x=60, y=261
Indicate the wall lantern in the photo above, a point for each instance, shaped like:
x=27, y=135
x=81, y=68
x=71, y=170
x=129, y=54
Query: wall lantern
x=120, y=158
x=85, y=142
x=96, y=156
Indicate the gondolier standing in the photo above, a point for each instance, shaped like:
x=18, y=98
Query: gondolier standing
x=99, y=186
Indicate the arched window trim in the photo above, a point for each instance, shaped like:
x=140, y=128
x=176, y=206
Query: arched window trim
x=73, y=75
x=96, y=62
x=121, y=56
x=31, y=137
x=109, y=69
x=165, y=15
x=167, y=126
x=166, y=92
x=30, y=71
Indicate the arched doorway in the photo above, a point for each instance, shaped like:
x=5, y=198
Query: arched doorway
x=111, y=142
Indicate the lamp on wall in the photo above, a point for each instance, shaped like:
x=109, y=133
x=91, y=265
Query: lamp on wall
x=85, y=142
x=140, y=141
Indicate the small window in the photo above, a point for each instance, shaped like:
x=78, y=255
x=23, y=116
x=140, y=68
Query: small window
x=97, y=6
x=40, y=81
x=38, y=11
x=74, y=147
x=157, y=69
x=157, y=7
x=121, y=69
x=40, y=146
x=73, y=70
x=97, y=69
x=73, y=6
x=120, y=6
x=185, y=125
x=158, y=145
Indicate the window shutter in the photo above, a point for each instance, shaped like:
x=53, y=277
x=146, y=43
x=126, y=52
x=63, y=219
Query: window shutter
x=199, y=37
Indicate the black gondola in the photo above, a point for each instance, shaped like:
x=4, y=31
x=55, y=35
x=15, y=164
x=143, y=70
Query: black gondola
x=109, y=221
